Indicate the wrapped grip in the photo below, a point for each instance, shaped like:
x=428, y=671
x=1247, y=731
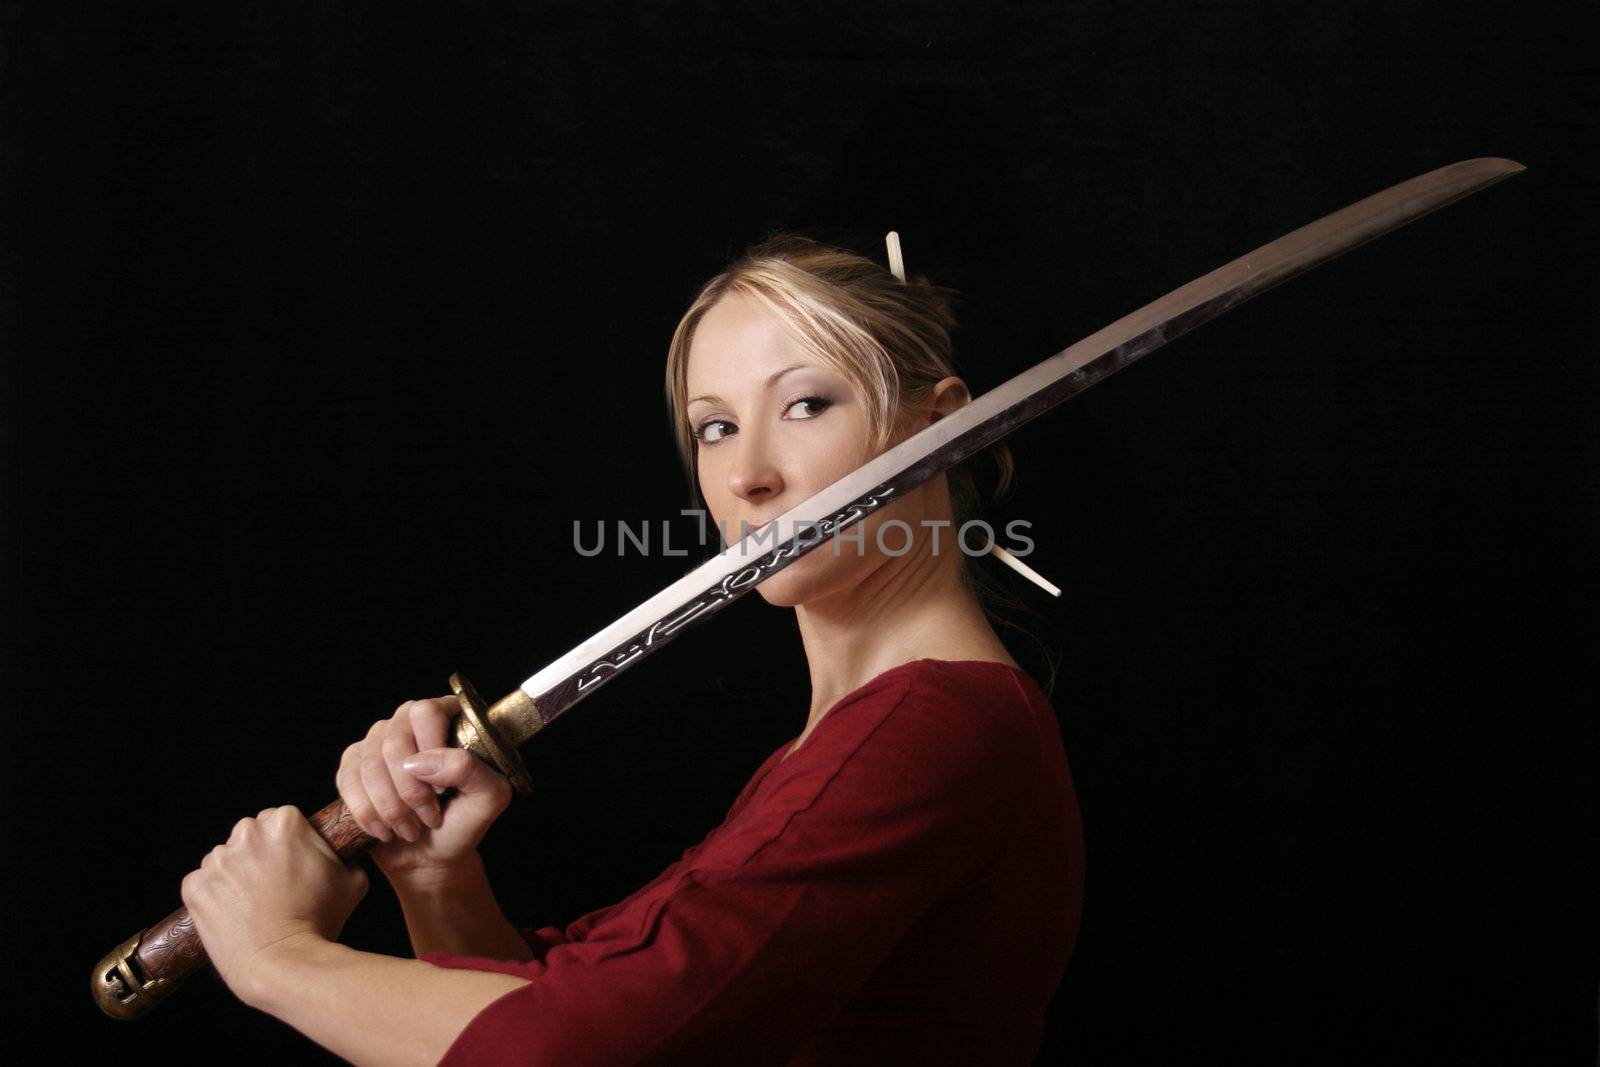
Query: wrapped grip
x=145, y=969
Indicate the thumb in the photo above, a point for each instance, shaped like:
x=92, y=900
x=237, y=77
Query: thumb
x=458, y=769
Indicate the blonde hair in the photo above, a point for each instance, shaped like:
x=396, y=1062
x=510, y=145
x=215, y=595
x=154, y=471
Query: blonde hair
x=890, y=339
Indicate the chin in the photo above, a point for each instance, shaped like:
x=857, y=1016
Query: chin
x=788, y=588
x=817, y=574
x=778, y=598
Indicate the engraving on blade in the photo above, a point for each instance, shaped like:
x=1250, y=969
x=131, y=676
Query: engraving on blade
x=724, y=592
x=992, y=416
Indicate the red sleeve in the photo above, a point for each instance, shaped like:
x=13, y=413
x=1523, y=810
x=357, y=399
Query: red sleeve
x=542, y=939
x=764, y=935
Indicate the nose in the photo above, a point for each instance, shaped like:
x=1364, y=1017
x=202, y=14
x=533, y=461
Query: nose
x=753, y=475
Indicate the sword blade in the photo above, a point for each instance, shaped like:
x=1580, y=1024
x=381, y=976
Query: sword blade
x=720, y=581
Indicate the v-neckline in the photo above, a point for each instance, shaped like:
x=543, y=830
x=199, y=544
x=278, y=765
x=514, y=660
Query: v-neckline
x=789, y=748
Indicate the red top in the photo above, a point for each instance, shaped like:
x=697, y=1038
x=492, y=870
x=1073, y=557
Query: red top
x=904, y=888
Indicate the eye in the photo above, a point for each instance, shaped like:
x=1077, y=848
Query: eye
x=713, y=430
x=812, y=406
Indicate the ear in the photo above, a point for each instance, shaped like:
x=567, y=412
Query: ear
x=950, y=394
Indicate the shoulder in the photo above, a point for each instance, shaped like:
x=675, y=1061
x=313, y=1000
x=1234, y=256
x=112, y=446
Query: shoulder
x=986, y=693
x=988, y=683
x=928, y=727
x=977, y=709
x=930, y=762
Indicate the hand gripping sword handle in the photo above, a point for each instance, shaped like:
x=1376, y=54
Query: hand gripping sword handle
x=148, y=967
x=145, y=969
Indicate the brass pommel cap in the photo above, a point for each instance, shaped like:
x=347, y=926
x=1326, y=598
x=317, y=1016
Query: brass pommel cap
x=117, y=988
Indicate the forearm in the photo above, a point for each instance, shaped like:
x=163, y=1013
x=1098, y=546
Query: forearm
x=371, y=1009
x=457, y=913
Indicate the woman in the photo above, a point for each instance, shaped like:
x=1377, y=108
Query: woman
x=899, y=884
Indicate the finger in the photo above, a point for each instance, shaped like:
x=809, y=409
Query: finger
x=415, y=794
x=418, y=795
x=431, y=719
x=300, y=833
x=458, y=769
x=391, y=809
x=275, y=822
x=354, y=795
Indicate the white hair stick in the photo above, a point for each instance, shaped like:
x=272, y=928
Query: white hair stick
x=897, y=267
x=897, y=262
x=1026, y=571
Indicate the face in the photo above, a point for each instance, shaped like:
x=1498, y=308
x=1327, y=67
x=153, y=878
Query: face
x=773, y=427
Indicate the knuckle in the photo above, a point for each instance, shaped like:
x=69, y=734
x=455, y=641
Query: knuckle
x=366, y=818
x=416, y=795
x=353, y=791
x=391, y=812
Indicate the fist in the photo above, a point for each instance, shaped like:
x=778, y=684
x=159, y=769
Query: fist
x=391, y=781
x=274, y=882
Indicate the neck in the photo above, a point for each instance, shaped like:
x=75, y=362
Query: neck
x=915, y=606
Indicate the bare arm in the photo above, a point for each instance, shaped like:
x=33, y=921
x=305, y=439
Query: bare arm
x=390, y=780
x=268, y=905
x=456, y=912
x=367, y=1008
x=270, y=902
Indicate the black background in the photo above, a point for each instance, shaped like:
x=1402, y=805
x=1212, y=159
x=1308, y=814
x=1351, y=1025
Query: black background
x=329, y=320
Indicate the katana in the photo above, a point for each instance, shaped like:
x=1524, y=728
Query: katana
x=147, y=967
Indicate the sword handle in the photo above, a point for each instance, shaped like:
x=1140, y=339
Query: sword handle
x=148, y=967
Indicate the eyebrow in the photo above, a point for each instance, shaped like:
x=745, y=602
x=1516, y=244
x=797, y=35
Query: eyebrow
x=770, y=379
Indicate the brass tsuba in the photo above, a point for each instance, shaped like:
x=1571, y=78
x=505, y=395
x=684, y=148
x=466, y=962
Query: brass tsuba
x=477, y=733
